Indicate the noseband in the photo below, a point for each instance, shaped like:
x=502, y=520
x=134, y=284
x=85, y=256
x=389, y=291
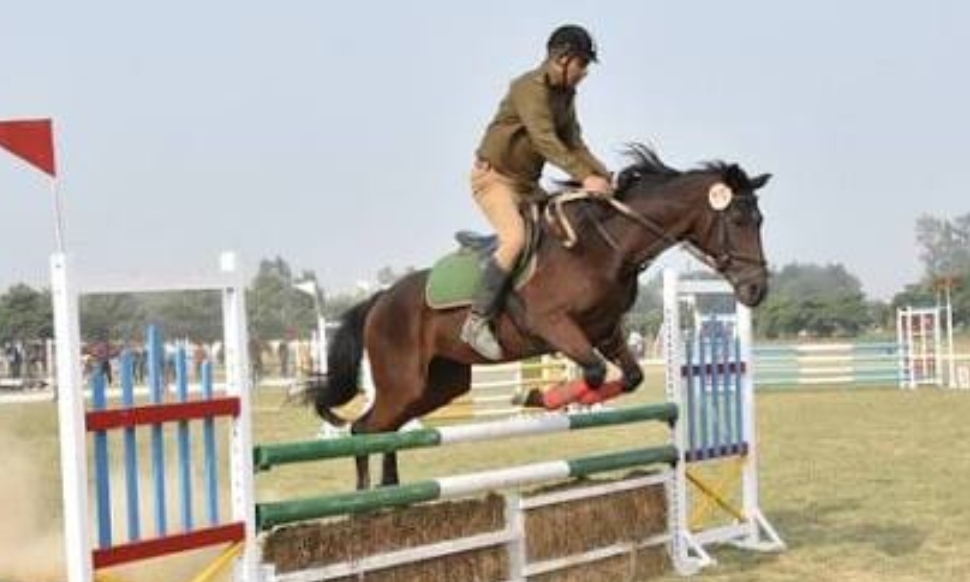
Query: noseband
x=728, y=256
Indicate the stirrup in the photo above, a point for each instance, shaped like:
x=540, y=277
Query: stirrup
x=477, y=333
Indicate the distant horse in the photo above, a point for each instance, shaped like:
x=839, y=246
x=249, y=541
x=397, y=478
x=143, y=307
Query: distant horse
x=573, y=303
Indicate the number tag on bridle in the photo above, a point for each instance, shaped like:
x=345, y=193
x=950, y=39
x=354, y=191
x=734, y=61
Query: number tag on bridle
x=719, y=196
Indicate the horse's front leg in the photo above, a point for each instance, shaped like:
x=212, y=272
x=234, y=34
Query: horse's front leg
x=564, y=335
x=617, y=351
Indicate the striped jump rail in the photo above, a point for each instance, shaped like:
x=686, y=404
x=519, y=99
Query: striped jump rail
x=822, y=364
x=192, y=532
x=269, y=515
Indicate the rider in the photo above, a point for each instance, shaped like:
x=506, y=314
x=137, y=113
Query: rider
x=535, y=123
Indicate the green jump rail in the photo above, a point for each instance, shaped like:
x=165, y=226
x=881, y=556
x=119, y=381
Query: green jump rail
x=267, y=456
x=270, y=515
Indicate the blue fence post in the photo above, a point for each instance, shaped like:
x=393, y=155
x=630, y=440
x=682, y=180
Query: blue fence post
x=156, y=381
x=209, y=444
x=185, y=453
x=102, y=480
x=131, y=449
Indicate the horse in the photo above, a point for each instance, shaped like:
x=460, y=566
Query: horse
x=573, y=303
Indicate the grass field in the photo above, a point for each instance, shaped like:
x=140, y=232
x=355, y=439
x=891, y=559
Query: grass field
x=864, y=485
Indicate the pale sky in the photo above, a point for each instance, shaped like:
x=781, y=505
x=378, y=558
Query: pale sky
x=339, y=135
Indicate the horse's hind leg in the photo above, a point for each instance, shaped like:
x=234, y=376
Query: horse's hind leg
x=389, y=474
x=394, y=404
x=362, y=462
x=443, y=381
x=447, y=379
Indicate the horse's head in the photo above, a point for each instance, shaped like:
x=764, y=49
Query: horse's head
x=726, y=230
x=712, y=210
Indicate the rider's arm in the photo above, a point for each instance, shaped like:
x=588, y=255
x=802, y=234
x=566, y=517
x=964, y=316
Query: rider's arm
x=530, y=100
x=579, y=146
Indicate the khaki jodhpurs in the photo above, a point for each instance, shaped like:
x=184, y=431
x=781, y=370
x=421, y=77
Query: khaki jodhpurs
x=496, y=195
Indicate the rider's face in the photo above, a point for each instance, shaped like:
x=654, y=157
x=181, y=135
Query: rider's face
x=574, y=69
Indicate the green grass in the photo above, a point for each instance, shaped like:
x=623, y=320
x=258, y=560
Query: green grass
x=864, y=485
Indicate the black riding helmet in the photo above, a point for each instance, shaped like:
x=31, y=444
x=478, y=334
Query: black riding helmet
x=572, y=40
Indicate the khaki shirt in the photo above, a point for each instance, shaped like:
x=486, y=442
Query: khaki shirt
x=535, y=123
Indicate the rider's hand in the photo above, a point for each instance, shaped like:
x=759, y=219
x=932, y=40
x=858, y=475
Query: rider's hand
x=597, y=185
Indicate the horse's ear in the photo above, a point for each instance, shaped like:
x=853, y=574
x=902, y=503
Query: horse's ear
x=735, y=178
x=759, y=181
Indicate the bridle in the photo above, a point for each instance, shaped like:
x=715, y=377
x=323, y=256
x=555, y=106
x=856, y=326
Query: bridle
x=724, y=259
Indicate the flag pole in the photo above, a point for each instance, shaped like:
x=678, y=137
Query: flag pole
x=58, y=216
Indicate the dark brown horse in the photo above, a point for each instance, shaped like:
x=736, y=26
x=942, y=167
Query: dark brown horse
x=573, y=304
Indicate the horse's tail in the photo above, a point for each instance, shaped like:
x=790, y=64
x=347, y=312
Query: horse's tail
x=341, y=382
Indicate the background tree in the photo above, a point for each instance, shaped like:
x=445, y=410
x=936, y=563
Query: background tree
x=111, y=317
x=25, y=314
x=815, y=300
x=944, y=245
x=944, y=249
x=195, y=315
x=275, y=307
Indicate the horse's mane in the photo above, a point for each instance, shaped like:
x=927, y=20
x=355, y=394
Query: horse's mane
x=648, y=169
x=646, y=165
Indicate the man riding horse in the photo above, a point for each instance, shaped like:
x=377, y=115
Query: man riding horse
x=535, y=123
x=573, y=298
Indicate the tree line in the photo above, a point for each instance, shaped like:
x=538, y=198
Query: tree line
x=805, y=300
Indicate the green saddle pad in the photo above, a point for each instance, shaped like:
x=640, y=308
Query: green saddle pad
x=454, y=279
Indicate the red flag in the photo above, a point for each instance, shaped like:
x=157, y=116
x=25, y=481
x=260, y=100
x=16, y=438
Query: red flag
x=31, y=140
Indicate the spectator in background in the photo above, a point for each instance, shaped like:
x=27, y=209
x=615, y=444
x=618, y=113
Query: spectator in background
x=15, y=359
x=283, y=353
x=139, y=360
x=199, y=356
x=102, y=353
x=256, y=360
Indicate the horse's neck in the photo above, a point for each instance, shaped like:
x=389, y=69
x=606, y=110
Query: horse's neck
x=614, y=243
x=634, y=243
x=581, y=217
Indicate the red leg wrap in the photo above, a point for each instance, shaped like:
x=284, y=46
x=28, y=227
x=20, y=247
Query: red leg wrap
x=577, y=391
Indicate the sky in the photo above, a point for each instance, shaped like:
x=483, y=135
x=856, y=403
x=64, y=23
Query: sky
x=339, y=136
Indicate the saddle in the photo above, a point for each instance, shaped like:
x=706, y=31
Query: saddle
x=454, y=279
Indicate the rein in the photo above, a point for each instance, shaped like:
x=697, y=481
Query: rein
x=555, y=214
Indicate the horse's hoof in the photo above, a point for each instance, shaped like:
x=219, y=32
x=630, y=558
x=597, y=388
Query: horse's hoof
x=529, y=399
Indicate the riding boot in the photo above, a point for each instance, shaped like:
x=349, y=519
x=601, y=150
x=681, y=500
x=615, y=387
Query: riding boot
x=477, y=329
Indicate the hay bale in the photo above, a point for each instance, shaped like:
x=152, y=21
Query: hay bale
x=317, y=544
x=551, y=532
x=560, y=530
x=485, y=565
x=641, y=565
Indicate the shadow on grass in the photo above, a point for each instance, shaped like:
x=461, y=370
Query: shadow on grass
x=837, y=524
